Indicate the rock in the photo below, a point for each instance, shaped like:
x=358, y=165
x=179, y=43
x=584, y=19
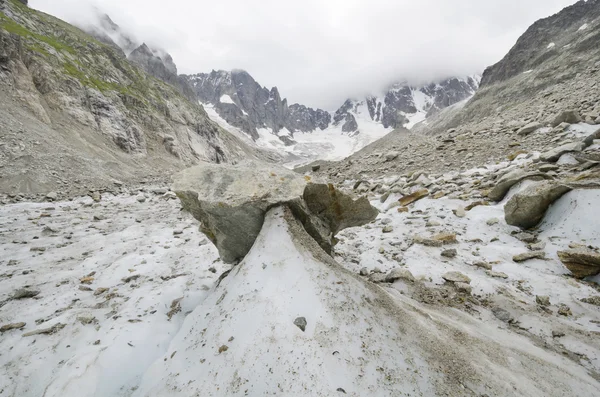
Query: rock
x=96, y=196
x=589, y=140
x=529, y=128
x=316, y=168
x=582, y=262
x=52, y=196
x=476, y=204
x=497, y=274
x=364, y=272
x=537, y=246
x=592, y=300
x=169, y=196
x=564, y=310
x=483, y=265
x=100, y=291
x=387, y=229
x=46, y=331
x=456, y=277
x=10, y=327
x=402, y=209
x=411, y=198
x=492, y=221
x=377, y=278
x=566, y=116
x=432, y=224
x=502, y=315
x=554, y=154
x=399, y=274
x=557, y=334
x=446, y=238
x=141, y=199
x=463, y=287
x=99, y=217
x=85, y=320
x=509, y=180
x=460, y=212
x=529, y=255
x=300, y=322
x=449, y=253
x=542, y=300
x=526, y=237
x=527, y=208
x=223, y=349
x=428, y=242
x=25, y=293
x=391, y=156
x=230, y=201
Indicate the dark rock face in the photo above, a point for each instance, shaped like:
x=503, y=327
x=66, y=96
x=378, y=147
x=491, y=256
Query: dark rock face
x=532, y=47
x=449, y=92
x=257, y=107
x=344, y=116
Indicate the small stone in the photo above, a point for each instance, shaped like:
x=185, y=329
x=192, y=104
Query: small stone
x=564, y=310
x=497, y=274
x=84, y=288
x=446, y=238
x=542, y=300
x=377, y=278
x=432, y=224
x=52, y=196
x=557, y=334
x=99, y=217
x=403, y=209
x=316, y=168
x=223, y=349
x=25, y=293
x=529, y=255
x=399, y=274
x=86, y=280
x=388, y=229
x=300, y=322
x=449, y=253
x=502, y=315
x=411, y=198
x=456, y=277
x=493, y=221
x=526, y=237
x=10, y=327
x=483, y=265
x=537, y=246
x=364, y=272
x=85, y=320
x=463, y=288
x=592, y=300
x=460, y=212
x=100, y=291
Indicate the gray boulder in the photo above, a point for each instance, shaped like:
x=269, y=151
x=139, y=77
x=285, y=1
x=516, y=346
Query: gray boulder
x=509, y=180
x=554, y=154
x=529, y=128
x=566, y=116
x=231, y=201
x=527, y=208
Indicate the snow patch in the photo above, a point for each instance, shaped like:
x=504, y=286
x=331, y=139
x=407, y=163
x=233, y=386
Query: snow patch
x=226, y=99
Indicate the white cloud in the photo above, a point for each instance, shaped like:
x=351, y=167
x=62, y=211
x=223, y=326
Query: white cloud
x=320, y=51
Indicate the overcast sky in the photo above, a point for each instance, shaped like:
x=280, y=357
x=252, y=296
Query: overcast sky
x=318, y=52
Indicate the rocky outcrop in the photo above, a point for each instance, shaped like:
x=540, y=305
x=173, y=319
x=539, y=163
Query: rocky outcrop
x=510, y=179
x=527, y=208
x=231, y=201
x=582, y=262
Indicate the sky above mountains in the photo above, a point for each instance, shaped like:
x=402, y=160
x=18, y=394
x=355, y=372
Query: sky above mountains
x=319, y=52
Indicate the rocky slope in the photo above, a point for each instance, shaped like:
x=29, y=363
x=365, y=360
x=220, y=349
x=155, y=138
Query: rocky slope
x=70, y=102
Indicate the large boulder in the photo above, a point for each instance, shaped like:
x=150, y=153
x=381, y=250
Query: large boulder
x=553, y=155
x=582, y=262
x=509, y=180
x=231, y=201
x=527, y=208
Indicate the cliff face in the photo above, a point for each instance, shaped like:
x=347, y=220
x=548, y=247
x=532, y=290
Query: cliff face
x=83, y=91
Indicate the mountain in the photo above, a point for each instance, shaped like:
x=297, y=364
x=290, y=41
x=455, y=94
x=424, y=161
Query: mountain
x=244, y=104
x=404, y=105
x=70, y=101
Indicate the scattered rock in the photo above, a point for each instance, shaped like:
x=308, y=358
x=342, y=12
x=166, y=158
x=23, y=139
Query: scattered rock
x=377, y=278
x=100, y=291
x=502, y=314
x=527, y=208
x=566, y=116
x=592, y=300
x=52, y=196
x=557, y=334
x=554, y=154
x=175, y=308
x=223, y=349
x=364, y=272
x=85, y=320
x=529, y=255
x=387, y=229
x=582, y=262
x=564, y=310
x=456, y=277
x=449, y=253
x=492, y=222
x=300, y=322
x=411, y=198
x=497, y=274
x=463, y=287
x=399, y=274
x=10, y=327
x=542, y=300
x=446, y=238
x=529, y=128
x=316, y=168
x=391, y=156
x=25, y=293
x=46, y=331
x=460, y=212
x=483, y=265
x=509, y=180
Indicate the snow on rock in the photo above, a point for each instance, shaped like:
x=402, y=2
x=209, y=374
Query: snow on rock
x=359, y=339
x=226, y=99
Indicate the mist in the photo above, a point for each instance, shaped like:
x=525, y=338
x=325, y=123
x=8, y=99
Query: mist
x=320, y=52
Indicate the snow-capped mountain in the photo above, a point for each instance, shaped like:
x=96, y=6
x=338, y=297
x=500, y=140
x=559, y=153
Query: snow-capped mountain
x=404, y=105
